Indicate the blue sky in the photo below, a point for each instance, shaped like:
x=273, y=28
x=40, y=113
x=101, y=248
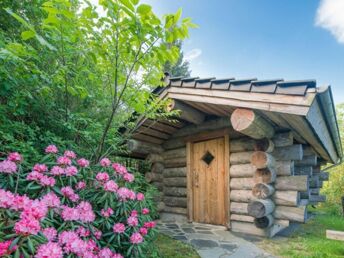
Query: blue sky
x=266, y=39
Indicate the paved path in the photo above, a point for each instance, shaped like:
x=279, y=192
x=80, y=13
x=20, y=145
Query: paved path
x=212, y=241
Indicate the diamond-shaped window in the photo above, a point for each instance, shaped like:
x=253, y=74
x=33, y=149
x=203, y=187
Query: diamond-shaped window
x=208, y=157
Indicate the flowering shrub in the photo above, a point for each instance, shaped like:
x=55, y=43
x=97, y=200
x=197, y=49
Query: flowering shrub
x=64, y=207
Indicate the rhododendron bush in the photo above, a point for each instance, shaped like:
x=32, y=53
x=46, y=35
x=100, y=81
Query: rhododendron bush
x=64, y=207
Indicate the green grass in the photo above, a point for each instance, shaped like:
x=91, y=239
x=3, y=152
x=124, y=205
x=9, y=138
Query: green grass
x=310, y=240
x=170, y=248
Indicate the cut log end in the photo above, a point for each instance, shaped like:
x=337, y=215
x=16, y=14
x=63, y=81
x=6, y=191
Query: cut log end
x=261, y=160
x=264, y=222
x=260, y=208
x=262, y=191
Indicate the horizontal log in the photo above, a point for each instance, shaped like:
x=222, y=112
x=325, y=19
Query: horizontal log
x=245, y=183
x=303, y=170
x=238, y=208
x=303, y=202
x=175, y=163
x=161, y=206
x=157, y=168
x=187, y=112
x=307, y=161
x=143, y=147
x=335, y=235
x=241, y=196
x=174, y=143
x=262, y=190
x=158, y=185
x=153, y=177
x=244, y=218
x=261, y=159
x=240, y=157
x=314, y=182
x=175, y=201
x=283, y=139
x=286, y=198
x=260, y=208
x=154, y=158
x=308, y=150
x=284, y=168
x=266, y=175
x=248, y=122
x=174, y=172
x=316, y=169
x=304, y=195
x=323, y=176
x=176, y=210
x=295, y=183
x=242, y=170
x=175, y=153
x=251, y=229
x=175, y=181
x=264, y=222
x=175, y=191
x=249, y=144
x=317, y=198
x=298, y=214
x=292, y=152
x=314, y=191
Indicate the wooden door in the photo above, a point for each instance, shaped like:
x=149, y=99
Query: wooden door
x=209, y=165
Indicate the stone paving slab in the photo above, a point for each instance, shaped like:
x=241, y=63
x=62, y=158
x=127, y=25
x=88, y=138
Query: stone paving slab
x=213, y=241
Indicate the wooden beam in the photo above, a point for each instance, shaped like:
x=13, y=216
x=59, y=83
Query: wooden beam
x=248, y=122
x=187, y=113
x=143, y=147
x=292, y=152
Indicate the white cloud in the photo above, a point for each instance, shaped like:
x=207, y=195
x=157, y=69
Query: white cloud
x=330, y=16
x=192, y=54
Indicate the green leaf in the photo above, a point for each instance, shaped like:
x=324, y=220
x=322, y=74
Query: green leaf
x=178, y=15
x=144, y=9
x=28, y=34
x=30, y=245
x=14, y=242
x=128, y=4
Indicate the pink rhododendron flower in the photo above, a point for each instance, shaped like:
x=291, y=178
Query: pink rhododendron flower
x=49, y=250
x=40, y=168
x=136, y=238
x=8, y=167
x=145, y=211
x=86, y=212
x=20, y=202
x=64, y=161
x=15, y=157
x=103, y=177
x=69, y=193
x=80, y=185
x=50, y=233
x=149, y=224
x=110, y=186
x=105, y=253
x=143, y=231
x=47, y=181
x=140, y=196
x=69, y=154
x=34, y=209
x=128, y=177
x=34, y=176
x=118, y=228
x=51, y=149
x=5, y=248
x=119, y=168
x=71, y=171
x=125, y=194
x=51, y=200
x=134, y=213
x=106, y=213
x=69, y=214
x=105, y=162
x=83, y=162
x=83, y=232
x=27, y=226
x=97, y=233
x=117, y=256
x=132, y=221
x=6, y=199
x=57, y=171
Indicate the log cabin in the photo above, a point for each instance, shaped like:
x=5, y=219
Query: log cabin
x=246, y=154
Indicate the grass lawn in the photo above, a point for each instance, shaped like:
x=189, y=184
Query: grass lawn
x=170, y=248
x=310, y=240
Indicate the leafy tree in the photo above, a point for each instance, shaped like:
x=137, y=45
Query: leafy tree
x=73, y=77
x=181, y=67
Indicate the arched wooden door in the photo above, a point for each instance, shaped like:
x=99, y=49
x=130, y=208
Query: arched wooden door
x=208, y=166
